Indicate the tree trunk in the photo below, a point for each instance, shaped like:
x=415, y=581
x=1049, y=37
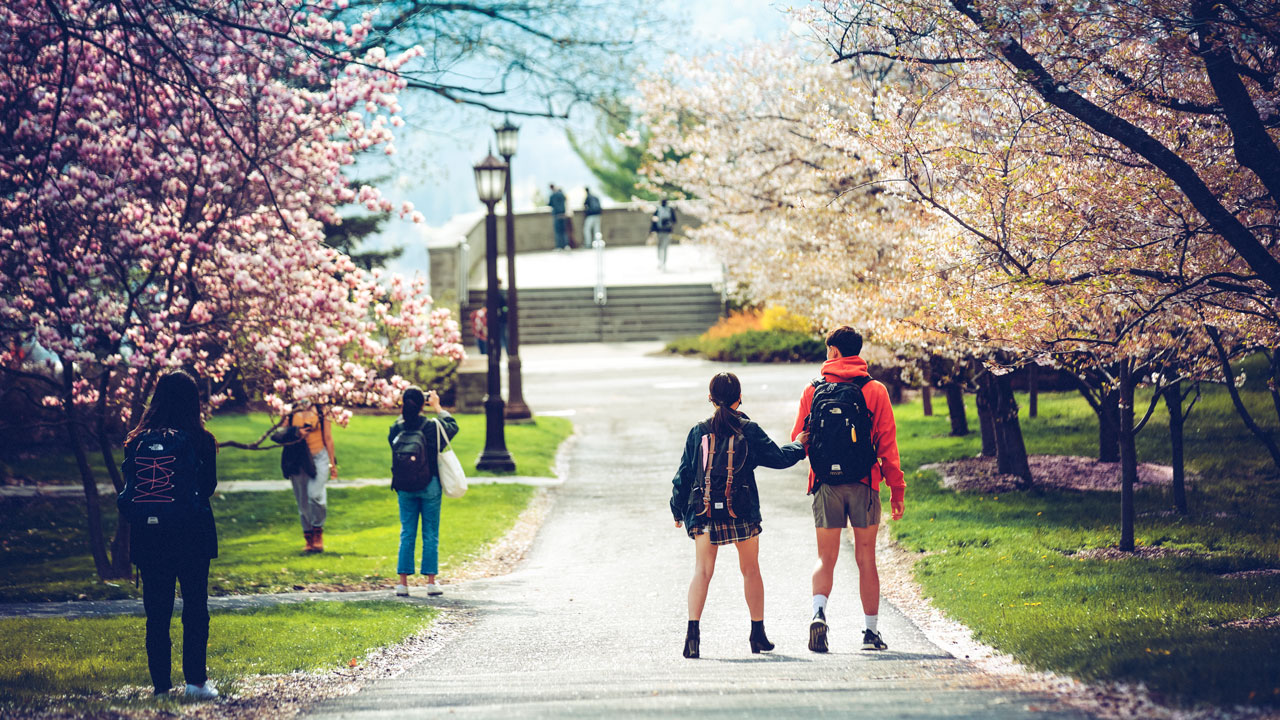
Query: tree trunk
x=1109, y=426
x=1225, y=360
x=955, y=406
x=1173, y=401
x=926, y=400
x=93, y=504
x=1011, y=450
x=1128, y=459
x=120, y=562
x=894, y=386
x=1273, y=384
x=983, y=400
x=1033, y=390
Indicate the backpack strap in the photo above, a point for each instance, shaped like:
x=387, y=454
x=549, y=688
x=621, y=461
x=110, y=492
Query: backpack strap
x=728, y=483
x=443, y=442
x=706, y=479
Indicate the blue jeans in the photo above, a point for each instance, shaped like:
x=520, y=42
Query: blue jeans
x=425, y=503
x=557, y=226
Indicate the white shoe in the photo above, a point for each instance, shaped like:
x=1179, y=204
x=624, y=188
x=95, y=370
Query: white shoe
x=434, y=589
x=402, y=590
x=201, y=692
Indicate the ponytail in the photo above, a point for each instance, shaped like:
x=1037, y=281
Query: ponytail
x=725, y=390
x=413, y=399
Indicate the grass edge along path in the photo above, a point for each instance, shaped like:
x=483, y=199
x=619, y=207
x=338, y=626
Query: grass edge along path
x=1004, y=564
x=95, y=664
x=361, y=449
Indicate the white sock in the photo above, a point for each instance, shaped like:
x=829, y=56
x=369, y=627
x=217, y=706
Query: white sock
x=871, y=622
x=819, y=603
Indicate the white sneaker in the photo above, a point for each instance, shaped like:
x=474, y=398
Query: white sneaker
x=434, y=589
x=402, y=590
x=201, y=692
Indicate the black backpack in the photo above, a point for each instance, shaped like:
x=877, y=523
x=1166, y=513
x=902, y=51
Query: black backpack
x=295, y=457
x=841, y=449
x=410, y=463
x=714, y=492
x=161, y=489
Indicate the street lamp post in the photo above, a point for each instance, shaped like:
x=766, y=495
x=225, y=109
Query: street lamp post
x=490, y=179
x=507, y=134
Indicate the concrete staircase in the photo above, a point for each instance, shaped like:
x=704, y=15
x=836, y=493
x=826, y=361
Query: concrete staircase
x=641, y=312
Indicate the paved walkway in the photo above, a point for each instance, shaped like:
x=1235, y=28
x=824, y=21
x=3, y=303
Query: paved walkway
x=593, y=622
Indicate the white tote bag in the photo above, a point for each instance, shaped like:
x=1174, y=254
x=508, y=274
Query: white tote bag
x=452, y=480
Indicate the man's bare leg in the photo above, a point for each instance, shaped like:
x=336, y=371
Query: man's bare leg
x=864, y=553
x=828, y=553
x=823, y=579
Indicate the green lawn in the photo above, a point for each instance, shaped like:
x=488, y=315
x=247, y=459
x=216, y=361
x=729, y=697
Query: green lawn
x=44, y=658
x=1004, y=565
x=361, y=449
x=45, y=547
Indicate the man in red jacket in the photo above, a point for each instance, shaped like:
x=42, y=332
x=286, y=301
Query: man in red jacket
x=856, y=503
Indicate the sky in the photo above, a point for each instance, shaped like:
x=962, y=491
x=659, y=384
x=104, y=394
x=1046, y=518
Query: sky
x=435, y=151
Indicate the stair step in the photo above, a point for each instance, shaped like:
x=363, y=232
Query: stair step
x=643, y=312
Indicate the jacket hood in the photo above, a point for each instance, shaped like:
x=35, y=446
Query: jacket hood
x=844, y=369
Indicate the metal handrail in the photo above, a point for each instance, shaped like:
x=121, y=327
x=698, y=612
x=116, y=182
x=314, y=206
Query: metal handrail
x=602, y=296
x=464, y=261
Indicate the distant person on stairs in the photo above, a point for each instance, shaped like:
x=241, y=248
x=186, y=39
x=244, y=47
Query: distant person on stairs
x=591, y=225
x=663, y=222
x=558, y=206
x=715, y=498
x=846, y=423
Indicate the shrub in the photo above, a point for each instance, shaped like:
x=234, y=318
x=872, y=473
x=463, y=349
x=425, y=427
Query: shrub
x=779, y=318
x=768, y=346
x=688, y=345
x=738, y=321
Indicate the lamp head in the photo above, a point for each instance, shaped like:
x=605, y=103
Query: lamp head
x=491, y=179
x=508, y=137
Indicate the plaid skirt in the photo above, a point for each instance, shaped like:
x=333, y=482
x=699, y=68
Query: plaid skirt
x=725, y=533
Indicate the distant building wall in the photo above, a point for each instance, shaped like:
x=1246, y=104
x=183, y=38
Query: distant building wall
x=621, y=225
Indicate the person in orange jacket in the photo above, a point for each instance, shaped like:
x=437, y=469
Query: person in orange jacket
x=846, y=473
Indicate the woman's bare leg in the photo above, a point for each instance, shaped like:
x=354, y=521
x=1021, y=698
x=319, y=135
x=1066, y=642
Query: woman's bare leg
x=704, y=565
x=752, y=582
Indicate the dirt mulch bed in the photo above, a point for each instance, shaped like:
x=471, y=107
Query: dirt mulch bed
x=1245, y=574
x=1262, y=623
x=1060, y=472
x=1145, y=552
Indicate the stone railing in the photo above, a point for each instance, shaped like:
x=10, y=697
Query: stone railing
x=621, y=225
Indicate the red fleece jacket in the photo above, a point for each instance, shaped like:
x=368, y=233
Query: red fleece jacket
x=883, y=429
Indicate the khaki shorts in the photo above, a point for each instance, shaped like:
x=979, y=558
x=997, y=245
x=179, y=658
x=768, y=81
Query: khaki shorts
x=835, y=506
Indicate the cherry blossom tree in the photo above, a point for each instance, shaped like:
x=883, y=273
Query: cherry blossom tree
x=794, y=201
x=164, y=180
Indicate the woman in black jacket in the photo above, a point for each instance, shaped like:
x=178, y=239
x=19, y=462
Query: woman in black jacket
x=716, y=499
x=166, y=556
x=419, y=493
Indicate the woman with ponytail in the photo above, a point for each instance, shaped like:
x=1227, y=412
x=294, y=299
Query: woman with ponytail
x=415, y=477
x=715, y=498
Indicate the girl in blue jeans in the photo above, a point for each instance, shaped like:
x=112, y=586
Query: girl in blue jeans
x=419, y=493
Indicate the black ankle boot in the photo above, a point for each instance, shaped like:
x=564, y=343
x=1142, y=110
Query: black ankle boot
x=759, y=641
x=691, y=640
